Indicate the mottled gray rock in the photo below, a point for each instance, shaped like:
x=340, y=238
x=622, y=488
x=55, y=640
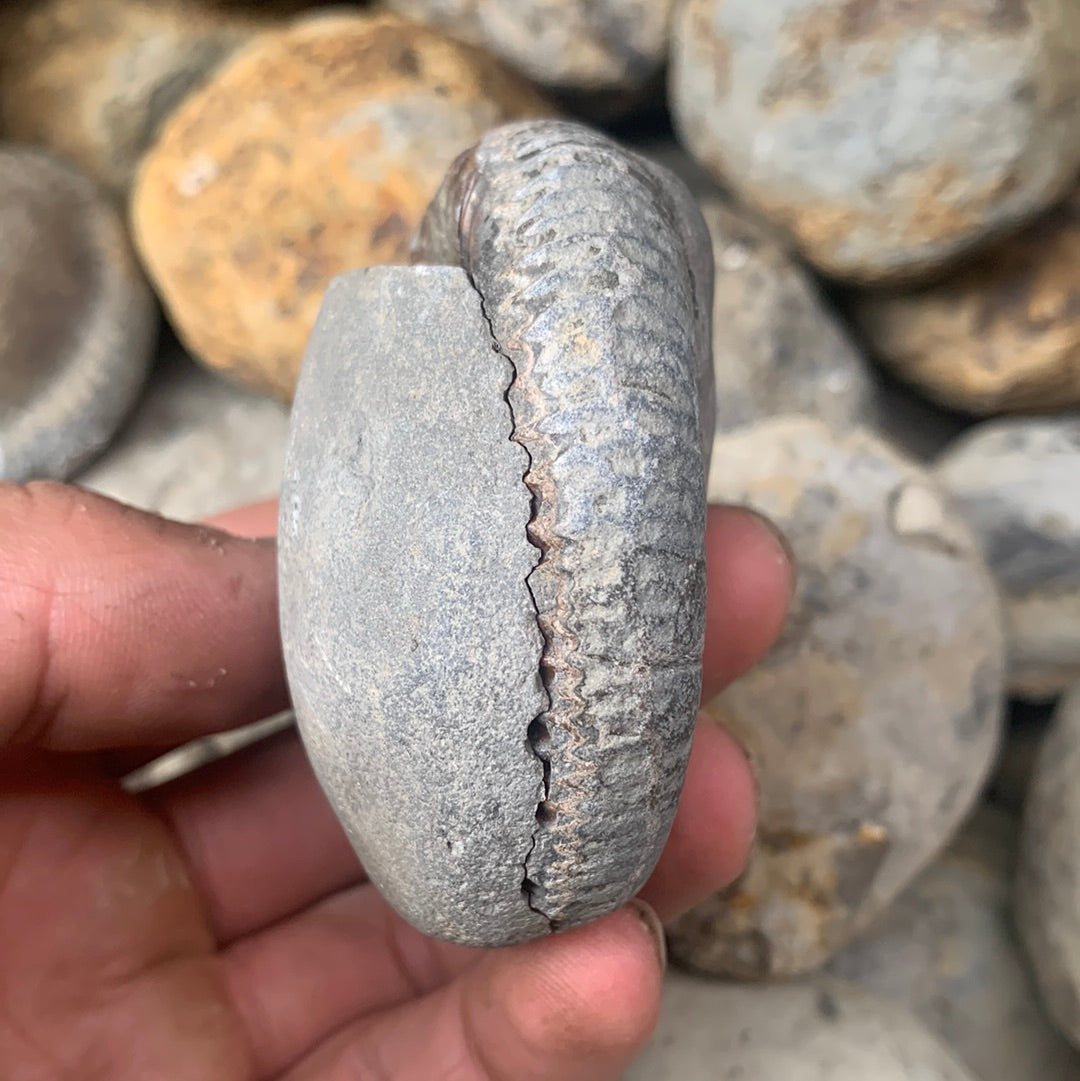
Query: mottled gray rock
x=1048, y=875
x=776, y=347
x=77, y=320
x=598, y=46
x=998, y=334
x=946, y=950
x=1017, y=482
x=820, y=1030
x=887, y=137
x=874, y=720
x=197, y=445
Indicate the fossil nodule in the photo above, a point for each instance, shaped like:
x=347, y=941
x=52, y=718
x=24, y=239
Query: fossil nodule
x=492, y=537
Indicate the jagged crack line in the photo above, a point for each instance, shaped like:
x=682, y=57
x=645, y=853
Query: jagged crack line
x=537, y=732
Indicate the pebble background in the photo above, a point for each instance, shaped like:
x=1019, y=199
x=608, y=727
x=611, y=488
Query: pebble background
x=893, y=191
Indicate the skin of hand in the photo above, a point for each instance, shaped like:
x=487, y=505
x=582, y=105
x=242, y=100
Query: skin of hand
x=219, y=928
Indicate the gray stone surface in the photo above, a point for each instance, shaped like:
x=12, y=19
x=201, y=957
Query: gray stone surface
x=196, y=445
x=886, y=137
x=946, y=950
x=411, y=641
x=776, y=346
x=874, y=720
x=1017, y=482
x=1048, y=875
x=819, y=1030
x=583, y=45
x=77, y=320
x=594, y=269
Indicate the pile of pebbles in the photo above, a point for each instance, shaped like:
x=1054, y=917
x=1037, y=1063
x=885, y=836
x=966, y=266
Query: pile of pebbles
x=893, y=193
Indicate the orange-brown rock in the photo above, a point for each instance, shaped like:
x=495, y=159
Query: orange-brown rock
x=94, y=81
x=313, y=151
x=999, y=335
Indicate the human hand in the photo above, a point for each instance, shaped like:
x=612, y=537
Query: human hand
x=219, y=928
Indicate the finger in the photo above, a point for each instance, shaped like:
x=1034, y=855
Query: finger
x=577, y=1006
x=120, y=629
x=352, y=954
x=298, y=982
x=254, y=520
x=258, y=836
x=714, y=826
x=751, y=578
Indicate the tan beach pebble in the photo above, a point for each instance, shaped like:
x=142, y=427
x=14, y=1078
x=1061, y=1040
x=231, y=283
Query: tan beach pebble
x=313, y=151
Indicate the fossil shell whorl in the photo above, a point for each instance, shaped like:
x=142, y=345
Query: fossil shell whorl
x=594, y=271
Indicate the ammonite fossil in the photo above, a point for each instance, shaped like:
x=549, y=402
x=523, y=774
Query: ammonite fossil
x=492, y=537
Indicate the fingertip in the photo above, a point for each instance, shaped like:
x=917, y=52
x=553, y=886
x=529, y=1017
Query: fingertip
x=751, y=579
x=714, y=826
x=588, y=999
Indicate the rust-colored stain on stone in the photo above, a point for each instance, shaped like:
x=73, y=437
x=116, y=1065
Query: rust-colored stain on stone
x=1001, y=333
x=315, y=150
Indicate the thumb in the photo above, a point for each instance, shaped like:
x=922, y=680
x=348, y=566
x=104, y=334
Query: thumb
x=578, y=1006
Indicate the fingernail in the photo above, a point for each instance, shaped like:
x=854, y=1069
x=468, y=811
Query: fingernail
x=652, y=923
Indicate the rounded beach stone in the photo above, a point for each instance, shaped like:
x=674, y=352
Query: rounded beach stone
x=888, y=137
x=776, y=347
x=196, y=446
x=93, y=82
x=1048, y=875
x=999, y=334
x=819, y=1030
x=597, y=46
x=492, y=539
x=946, y=950
x=78, y=322
x=312, y=151
x=1017, y=482
x=874, y=720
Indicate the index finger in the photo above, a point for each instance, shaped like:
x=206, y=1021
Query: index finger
x=121, y=629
